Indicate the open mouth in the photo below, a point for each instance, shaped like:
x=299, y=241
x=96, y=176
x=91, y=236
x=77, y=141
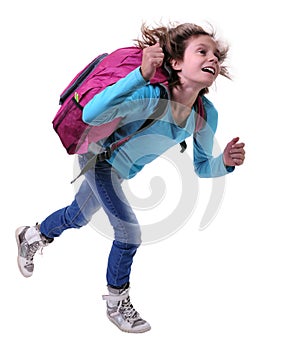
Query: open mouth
x=209, y=70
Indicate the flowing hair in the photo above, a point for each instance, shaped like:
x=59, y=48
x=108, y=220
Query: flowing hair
x=173, y=40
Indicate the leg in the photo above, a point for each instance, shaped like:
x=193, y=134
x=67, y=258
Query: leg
x=120, y=310
x=32, y=238
x=75, y=215
x=127, y=232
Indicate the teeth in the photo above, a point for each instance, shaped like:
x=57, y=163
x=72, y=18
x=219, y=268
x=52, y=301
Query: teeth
x=209, y=69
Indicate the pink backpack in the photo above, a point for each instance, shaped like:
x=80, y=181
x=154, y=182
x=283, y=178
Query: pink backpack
x=104, y=70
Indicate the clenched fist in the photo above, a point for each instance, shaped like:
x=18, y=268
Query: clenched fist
x=153, y=57
x=234, y=153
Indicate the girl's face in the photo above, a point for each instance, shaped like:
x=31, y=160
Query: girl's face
x=201, y=63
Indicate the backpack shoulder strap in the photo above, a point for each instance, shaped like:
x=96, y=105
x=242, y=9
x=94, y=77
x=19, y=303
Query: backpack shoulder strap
x=200, y=119
x=159, y=112
x=200, y=115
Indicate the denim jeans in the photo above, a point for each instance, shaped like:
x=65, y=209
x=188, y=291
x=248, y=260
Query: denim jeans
x=101, y=188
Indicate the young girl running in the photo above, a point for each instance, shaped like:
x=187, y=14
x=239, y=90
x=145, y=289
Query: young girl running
x=194, y=59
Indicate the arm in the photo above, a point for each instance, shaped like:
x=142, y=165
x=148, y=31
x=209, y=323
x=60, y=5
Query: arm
x=205, y=164
x=103, y=106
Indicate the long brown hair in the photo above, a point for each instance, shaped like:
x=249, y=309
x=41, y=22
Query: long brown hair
x=173, y=40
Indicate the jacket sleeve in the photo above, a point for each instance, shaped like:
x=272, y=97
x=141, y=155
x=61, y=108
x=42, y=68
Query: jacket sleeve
x=205, y=164
x=103, y=107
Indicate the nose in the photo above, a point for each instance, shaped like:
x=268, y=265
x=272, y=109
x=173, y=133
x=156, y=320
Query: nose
x=213, y=58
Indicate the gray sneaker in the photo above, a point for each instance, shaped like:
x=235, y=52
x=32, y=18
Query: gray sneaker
x=29, y=240
x=121, y=312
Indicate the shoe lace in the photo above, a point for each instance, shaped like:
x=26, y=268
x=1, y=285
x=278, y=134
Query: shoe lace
x=43, y=243
x=32, y=249
x=128, y=311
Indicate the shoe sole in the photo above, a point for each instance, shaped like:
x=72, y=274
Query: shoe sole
x=128, y=331
x=17, y=233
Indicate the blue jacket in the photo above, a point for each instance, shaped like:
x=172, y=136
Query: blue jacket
x=134, y=99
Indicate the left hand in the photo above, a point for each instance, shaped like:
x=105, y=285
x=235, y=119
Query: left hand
x=234, y=153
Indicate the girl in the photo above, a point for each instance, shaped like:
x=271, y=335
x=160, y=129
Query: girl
x=194, y=59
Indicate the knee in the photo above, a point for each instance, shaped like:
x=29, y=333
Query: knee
x=127, y=247
x=75, y=219
x=130, y=235
x=135, y=238
x=76, y=216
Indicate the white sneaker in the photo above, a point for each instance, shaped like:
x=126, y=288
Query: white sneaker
x=29, y=240
x=120, y=311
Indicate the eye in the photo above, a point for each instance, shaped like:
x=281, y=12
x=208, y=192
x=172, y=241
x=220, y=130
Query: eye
x=203, y=52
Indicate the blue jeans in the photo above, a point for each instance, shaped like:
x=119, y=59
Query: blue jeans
x=101, y=188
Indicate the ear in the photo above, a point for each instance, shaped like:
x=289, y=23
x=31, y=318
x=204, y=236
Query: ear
x=175, y=64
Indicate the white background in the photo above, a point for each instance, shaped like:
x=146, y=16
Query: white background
x=236, y=280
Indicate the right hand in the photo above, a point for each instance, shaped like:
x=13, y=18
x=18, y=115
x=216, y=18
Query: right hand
x=234, y=153
x=153, y=57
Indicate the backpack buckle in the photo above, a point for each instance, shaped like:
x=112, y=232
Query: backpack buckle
x=105, y=155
